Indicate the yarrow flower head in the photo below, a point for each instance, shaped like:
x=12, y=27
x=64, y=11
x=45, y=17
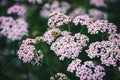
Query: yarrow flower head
x=58, y=19
x=35, y=1
x=107, y=51
x=99, y=25
x=74, y=65
x=18, y=9
x=83, y=20
x=28, y=54
x=86, y=71
x=90, y=71
x=98, y=3
x=55, y=6
x=50, y=35
x=4, y=19
x=114, y=37
x=112, y=28
x=69, y=46
x=78, y=11
x=97, y=14
x=60, y=76
x=13, y=29
x=102, y=26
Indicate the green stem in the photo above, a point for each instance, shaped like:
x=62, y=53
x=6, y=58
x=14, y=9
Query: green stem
x=68, y=27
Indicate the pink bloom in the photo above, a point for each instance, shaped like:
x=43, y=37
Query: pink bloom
x=86, y=71
x=13, y=29
x=55, y=6
x=28, y=54
x=98, y=3
x=83, y=20
x=18, y=9
x=35, y=1
x=97, y=14
x=58, y=19
x=107, y=51
x=69, y=46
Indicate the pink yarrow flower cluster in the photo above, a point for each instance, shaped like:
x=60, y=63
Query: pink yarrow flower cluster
x=28, y=54
x=69, y=46
x=18, y=9
x=107, y=51
x=58, y=19
x=83, y=20
x=50, y=35
x=13, y=29
x=114, y=37
x=86, y=71
x=102, y=26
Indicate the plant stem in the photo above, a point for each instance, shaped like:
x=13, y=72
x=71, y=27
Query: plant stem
x=68, y=27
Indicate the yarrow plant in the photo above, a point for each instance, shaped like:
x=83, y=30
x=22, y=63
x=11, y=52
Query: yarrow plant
x=66, y=44
x=67, y=41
